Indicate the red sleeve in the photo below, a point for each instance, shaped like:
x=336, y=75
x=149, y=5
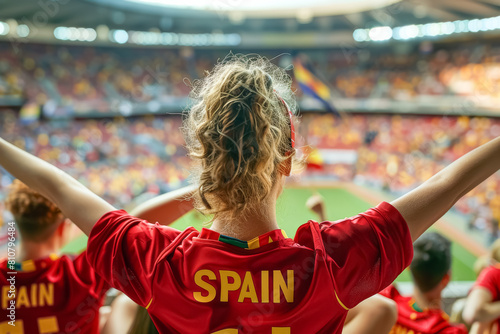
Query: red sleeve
x=456, y=329
x=87, y=274
x=390, y=292
x=124, y=250
x=490, y=280
x=367, y=252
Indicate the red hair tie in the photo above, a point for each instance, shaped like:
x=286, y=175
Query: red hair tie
x=292, y=128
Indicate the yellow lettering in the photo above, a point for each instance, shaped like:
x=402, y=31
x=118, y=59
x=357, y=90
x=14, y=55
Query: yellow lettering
x=33, y=295
x=225, y=286
x=264, y=281
x=198, y=279
x=46, y=294
x=226, y=331
x=5, y=327
x=281, y=330
x=248, y=289
x=398, y=329
x=22, y=298
x=5, y=296
x=280, y=285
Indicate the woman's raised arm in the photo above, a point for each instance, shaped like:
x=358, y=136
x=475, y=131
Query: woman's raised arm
x=424, y=205
x=76, y=202
x=166, y=208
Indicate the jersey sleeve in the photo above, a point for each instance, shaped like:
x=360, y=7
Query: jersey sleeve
x=367, y=252
x=490, y=280
x=86, y=273
x=454, y=329
x=390, y=292
x=124, y=250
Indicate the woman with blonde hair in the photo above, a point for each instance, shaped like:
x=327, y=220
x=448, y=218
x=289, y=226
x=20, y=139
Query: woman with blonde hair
x=243, y=274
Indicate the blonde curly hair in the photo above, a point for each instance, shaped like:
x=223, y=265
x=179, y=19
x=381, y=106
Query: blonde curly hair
x=239, y=132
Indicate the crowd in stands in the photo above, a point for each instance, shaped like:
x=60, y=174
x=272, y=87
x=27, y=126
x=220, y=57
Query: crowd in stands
x=468, y=71
x=118, y=159
x=90, y=79
x=397, y=153
x=122, y=158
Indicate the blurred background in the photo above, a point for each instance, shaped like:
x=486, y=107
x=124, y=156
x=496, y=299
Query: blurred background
x=388, y=91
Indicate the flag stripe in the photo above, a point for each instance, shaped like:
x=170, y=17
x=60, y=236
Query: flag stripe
x=313, y=86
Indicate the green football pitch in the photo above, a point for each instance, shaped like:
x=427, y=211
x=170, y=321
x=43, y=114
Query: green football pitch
x=292, y=213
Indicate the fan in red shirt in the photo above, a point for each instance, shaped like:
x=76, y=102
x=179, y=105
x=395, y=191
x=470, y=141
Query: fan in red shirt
x=483, y=302
x=243, y=274
x=430, y=270
x=45, y=292
x=271, y=281
x=374, y=315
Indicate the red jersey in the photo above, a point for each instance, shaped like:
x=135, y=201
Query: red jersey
x=204, y=282
x=413, y=320
x=52, y=295
x=490, y=280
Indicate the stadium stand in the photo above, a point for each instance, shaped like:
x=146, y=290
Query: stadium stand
x=405, y=151
x=84, y=81
x=98, y=88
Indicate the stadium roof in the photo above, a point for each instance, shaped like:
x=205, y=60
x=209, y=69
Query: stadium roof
x=243, y=16
x=275, y=8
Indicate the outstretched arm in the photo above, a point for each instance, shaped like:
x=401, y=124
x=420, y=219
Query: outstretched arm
x=316, y=204
x=122, y=316
x=376, y=314
x=480, y=307
x=166, y=208
x=423, y=206
x=76, y=202
x=483, y=328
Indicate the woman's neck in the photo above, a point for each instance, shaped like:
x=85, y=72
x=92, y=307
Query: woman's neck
x=429, y=300
x=29, y=250
x=257, y=221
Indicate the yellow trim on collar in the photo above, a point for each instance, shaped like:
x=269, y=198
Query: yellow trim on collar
x=28, y=265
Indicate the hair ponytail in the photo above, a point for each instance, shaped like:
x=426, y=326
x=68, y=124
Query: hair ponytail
x=239, y=133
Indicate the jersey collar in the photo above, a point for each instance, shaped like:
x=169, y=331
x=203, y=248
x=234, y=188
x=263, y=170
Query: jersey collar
x=414, y=306
x=256, y=242
x=31, y=265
